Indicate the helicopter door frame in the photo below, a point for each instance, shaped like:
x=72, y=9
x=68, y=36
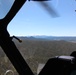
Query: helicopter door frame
x=8, y=45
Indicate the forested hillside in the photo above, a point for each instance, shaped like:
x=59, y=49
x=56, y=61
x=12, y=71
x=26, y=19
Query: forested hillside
x=37, y=51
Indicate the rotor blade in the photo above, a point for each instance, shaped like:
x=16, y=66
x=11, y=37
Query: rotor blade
x=39, y=0
x=49, y=8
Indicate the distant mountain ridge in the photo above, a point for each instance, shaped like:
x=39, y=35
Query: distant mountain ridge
x=65, y=38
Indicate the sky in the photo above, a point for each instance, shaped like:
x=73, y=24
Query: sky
x=3, y=5
x=32, y=20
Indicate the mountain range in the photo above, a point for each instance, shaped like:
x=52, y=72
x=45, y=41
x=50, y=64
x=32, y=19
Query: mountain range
x=64, y=38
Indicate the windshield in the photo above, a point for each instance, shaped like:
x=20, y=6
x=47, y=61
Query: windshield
x=42, y=35
x=5, y=6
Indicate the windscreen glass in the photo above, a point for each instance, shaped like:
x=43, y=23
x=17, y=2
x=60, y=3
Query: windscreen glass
x=5, y=6
x=45, y=34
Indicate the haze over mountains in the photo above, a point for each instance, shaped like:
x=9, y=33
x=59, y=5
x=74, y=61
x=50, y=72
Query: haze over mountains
x=43, y=37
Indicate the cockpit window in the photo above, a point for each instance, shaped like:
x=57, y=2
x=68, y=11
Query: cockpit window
x=5, y=6
x=43, y=36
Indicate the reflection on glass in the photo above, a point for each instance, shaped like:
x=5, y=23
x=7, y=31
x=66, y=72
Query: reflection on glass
x=5, y=6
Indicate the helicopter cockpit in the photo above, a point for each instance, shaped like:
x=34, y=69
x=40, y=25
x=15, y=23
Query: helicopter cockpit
x=36, y=54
